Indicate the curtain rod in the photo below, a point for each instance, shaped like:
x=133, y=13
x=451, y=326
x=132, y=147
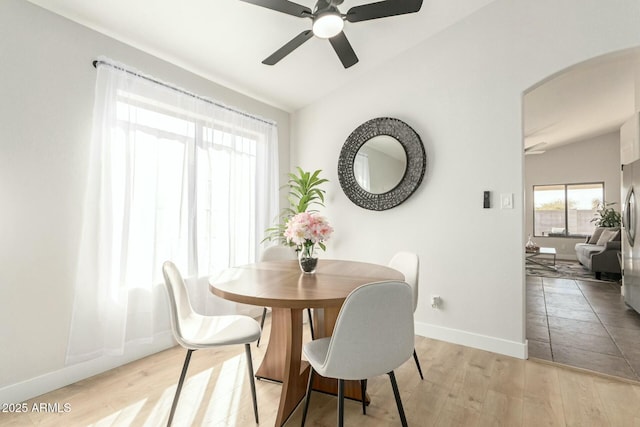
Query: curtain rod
x=182, y=91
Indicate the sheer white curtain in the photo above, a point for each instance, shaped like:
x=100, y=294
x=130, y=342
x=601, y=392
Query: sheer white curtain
x=171, y=177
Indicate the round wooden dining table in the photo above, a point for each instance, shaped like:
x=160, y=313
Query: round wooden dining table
x=283, y=287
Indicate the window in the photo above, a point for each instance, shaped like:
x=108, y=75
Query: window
x=172, y=176
x=187, y=167
x=566, y=210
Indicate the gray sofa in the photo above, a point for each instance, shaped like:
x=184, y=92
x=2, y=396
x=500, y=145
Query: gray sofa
x=600, y=251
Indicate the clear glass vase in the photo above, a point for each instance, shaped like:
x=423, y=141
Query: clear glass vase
x=531, y=246
x=307, y=259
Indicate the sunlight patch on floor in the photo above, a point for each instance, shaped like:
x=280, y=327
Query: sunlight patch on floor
x=123, y=417
x=160, y=412
x=228, y=390
x=192, y=396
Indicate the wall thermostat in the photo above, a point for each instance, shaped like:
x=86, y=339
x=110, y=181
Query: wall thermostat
x=487, y=199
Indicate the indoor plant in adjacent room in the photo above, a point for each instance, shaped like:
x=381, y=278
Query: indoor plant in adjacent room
x=305, y=230
x=606, y=216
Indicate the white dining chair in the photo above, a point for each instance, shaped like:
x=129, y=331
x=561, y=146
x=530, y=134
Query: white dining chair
x=408, y=264
x=280, y=253
x=373, y=335
x=194, y=331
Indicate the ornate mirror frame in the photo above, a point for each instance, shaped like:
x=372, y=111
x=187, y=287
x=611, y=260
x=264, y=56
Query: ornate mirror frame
x=414, y=172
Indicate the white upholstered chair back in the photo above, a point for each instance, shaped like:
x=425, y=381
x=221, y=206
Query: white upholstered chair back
x=194, y=331
x=278, y=253
x=179, y=304
x=408, y=264
x=373, y=334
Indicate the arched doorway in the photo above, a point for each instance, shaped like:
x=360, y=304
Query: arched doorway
x=571, y=138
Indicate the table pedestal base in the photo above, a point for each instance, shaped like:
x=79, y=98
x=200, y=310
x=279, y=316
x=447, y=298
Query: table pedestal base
x=283, y=359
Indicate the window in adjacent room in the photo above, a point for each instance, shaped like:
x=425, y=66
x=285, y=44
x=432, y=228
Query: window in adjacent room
x=566, y=210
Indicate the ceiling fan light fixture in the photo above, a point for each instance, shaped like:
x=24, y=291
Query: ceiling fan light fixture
x=328, y=25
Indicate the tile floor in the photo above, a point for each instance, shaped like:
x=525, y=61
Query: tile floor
x=584, y=324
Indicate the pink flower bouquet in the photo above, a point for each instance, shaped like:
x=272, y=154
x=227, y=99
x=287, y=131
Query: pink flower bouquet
x=305, y=230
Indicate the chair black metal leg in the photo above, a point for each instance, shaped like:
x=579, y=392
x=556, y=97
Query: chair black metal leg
x=185, y=366
x=340, y=403
x=311, y=323
x=396, y=393
x=252, y=380
x=264, y=315
x=415, y=357
x=307, y=397
x=363, y=390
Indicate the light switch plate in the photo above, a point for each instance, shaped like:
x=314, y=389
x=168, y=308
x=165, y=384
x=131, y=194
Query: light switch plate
x=506, y=201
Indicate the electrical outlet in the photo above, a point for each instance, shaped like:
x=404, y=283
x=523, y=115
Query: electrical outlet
x=435, y=301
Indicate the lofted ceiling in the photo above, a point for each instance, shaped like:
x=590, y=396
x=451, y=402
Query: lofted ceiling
x=587, y=100
x=225, y=41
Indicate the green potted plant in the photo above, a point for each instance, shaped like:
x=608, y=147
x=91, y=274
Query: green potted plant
x=607, y=216
x=304, y=193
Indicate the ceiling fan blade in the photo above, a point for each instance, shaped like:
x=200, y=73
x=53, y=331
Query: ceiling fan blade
x=535, y=146
x=283, y=6
x=288, y=48
x=382, y=9
x=344, y=50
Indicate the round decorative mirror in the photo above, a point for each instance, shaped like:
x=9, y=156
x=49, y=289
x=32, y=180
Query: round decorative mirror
x=381, y=164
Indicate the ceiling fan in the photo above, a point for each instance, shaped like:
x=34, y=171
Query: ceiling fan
x=328, y=22
x=534, y=149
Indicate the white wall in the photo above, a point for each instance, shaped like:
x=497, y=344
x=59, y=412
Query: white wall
x=462, y=92
x=46, y=100
x=593, y=160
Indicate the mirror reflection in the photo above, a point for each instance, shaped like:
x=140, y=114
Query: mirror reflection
x=380, y=164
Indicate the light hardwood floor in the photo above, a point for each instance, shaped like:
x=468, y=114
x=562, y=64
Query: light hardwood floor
x=462, y=387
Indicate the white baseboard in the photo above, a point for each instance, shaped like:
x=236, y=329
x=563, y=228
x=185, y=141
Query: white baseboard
x=33, y=387
x=468, y=339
